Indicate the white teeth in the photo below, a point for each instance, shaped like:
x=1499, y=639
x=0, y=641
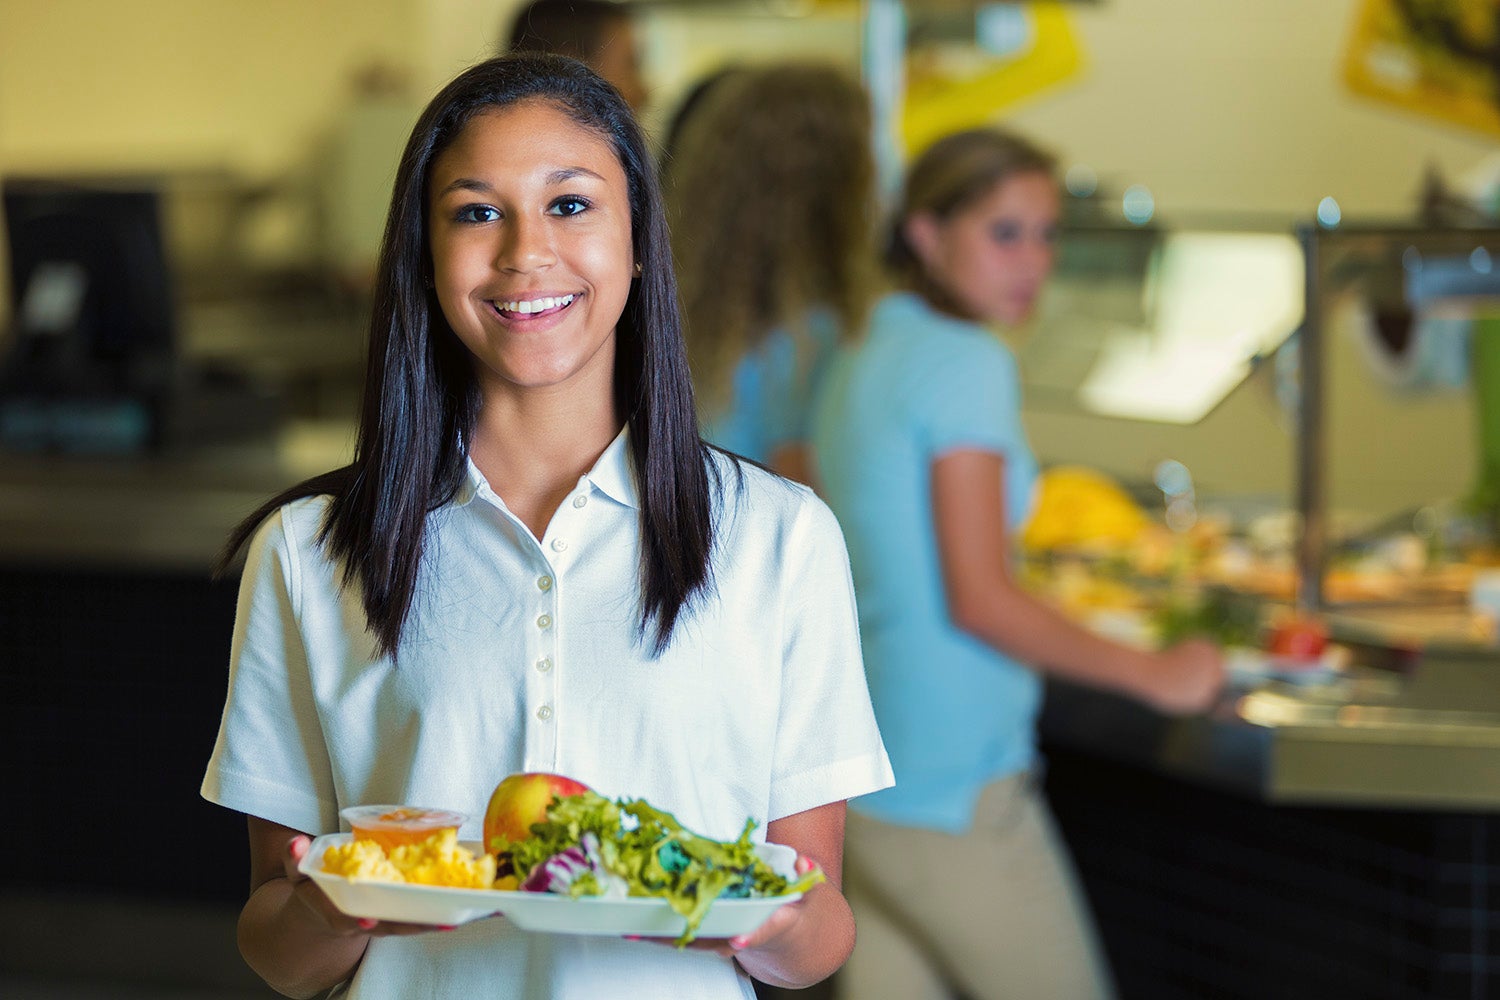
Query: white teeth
x=530, y=306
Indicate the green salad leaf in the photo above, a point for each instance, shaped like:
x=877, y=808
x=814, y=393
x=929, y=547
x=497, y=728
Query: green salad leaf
x=1228, y=619
x=650, y=851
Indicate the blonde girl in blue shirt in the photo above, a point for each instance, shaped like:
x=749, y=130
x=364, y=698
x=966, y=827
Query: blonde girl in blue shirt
x=535, y=564
x=959, y=883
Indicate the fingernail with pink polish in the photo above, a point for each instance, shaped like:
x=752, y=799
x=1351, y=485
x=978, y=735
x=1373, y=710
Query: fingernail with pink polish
x=366, y=923
x=632, y=937
x=447, y=927
x=738, y=942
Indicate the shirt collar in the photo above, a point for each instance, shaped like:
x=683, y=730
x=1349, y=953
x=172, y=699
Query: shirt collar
x=611, y=474
x=469, y=488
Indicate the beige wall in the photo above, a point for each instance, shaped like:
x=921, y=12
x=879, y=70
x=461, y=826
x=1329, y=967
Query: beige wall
x=93, y=84
x=1224, y=104
x=1219, y=105
x=1215, y=104
x=215, y=93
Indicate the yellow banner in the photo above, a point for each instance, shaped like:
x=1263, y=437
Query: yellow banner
x=950, y=89
x=1436, y=58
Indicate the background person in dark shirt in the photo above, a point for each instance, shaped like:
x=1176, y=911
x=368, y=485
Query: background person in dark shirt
x=599, y=33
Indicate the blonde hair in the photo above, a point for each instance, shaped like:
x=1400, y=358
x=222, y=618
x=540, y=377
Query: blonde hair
x=770, y=189
x=952, y=174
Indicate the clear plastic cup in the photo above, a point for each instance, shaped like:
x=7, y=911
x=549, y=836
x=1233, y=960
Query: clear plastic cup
x=392, y=826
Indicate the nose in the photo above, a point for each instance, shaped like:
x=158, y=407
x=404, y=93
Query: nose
x=525, y=247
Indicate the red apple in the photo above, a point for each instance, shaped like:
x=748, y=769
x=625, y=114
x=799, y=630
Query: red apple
x=521, y=800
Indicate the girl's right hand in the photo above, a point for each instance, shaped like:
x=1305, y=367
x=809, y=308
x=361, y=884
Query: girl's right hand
x=339, y=922
x=1182, y=679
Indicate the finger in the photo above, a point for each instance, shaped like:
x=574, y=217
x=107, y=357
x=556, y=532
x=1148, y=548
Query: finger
x=774, y=926
x=296, y=850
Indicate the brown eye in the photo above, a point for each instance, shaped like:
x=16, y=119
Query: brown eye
x=477, y=214
x=570, y=205
x=1005, y=233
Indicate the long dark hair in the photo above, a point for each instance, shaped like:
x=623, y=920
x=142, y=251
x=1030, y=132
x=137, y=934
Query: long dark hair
x=421, y=396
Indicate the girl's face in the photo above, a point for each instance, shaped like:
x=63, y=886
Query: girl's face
x=529, y=225
x=993, y=256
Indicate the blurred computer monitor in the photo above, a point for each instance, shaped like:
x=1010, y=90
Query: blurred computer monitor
x=90, y=357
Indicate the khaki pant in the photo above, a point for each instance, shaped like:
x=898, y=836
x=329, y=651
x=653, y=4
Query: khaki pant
x=992, y=914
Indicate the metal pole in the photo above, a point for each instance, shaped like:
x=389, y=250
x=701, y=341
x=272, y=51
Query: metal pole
x=882, y=55
x=1311, y=438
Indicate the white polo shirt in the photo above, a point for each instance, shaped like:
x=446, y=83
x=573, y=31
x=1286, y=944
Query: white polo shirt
x=521, y=655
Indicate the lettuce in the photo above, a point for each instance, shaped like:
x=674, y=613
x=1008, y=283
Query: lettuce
x=592, y=846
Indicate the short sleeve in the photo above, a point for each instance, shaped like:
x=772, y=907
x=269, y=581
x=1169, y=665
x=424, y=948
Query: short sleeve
x=828, y=747
x=796, y=361
x=270, y=759
x=971, y=397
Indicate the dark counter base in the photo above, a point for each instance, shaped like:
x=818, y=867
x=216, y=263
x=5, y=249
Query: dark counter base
x=111, y=687
x=1201, y=893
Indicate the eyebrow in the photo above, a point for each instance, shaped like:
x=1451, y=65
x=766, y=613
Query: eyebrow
x=559, y=176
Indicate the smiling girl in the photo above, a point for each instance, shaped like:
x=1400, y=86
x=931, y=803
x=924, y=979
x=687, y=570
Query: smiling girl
x=535, y=564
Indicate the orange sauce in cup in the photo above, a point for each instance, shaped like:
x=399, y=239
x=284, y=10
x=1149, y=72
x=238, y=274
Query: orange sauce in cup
x=392, y=826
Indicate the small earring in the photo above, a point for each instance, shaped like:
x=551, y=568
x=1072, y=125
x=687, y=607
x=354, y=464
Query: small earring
x=639, y=269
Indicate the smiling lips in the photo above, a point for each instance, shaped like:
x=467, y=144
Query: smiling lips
x=546, y=305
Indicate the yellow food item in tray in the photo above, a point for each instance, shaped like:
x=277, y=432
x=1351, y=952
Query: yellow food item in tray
x=438, y=860
x=1072, y=587
x=1079, y=508
x=361, y=859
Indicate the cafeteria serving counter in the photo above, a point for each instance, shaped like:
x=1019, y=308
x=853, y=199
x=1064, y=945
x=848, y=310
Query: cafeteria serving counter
x=168, y=511
x=1335, y=840
x=1427, y=739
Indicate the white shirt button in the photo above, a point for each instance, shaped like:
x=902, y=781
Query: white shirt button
x=544, y=621
x=544, y=713
x=580, y=501
x=544, y=664
x=544, y=583
x=558, y=545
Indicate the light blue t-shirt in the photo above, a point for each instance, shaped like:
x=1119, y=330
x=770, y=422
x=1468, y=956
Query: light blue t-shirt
x=954, y=713
x=772, y=390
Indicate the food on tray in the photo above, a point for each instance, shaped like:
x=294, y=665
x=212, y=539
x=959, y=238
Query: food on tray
x=1080, y=589
x=1081, y=509
x=361, y=859
x=392, y=826
x=1214, y=614
x=568, y=840
x=1298, y=638
x=521, y=800
x=587, y=845
x=438, y=859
